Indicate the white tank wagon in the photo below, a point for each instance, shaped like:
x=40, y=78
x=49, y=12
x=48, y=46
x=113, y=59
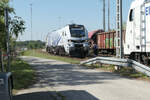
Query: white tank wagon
x=71, y=40
x=137, y=38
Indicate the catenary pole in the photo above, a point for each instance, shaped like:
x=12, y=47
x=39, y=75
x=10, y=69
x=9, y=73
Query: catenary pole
x=108, y=15
x=31, y=20
x=119, y=44
x=121, y=33
x=104, y=15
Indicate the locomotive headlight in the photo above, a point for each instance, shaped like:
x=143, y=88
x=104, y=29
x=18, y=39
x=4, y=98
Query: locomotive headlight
x=86, y=40
x=86, y=44
x=71, y=44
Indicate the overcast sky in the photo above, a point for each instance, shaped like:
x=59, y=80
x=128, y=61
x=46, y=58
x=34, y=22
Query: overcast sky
x=50, y=15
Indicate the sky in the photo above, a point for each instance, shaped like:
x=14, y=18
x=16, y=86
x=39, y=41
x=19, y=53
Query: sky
x=51, y=15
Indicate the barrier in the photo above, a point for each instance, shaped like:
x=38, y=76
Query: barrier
x=120, y=62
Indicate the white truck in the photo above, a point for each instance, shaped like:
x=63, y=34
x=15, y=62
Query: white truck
x=137, y=37
x=71, y=40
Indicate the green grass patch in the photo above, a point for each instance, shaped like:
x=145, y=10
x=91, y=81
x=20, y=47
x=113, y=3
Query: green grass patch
x=40, y=54
x=23, y=74
x=131, y=73
x=124, y=71
x=103, y=67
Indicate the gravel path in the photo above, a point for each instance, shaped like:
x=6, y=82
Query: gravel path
x=62, y=81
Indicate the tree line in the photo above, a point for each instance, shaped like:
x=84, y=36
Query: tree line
x=30, y=44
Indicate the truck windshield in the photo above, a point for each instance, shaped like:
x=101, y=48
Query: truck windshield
x=77, y=33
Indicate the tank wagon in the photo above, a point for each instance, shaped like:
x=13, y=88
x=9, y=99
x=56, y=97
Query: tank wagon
x=70, y=40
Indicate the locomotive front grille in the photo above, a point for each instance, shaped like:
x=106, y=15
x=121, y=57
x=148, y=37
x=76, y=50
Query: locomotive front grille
x=79, y=45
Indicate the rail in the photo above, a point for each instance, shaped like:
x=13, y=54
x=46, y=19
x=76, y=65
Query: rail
x=119, y=62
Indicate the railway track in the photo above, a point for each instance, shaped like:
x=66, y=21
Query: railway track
x=90, y=56
x=72, y=57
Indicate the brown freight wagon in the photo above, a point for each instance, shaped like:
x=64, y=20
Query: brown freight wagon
x=106, y=42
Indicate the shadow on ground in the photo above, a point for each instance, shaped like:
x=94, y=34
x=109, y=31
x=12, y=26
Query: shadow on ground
x=50, y=73
x=52, y=95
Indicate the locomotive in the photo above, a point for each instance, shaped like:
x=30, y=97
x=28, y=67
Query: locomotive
x=136, y=38
x=70, y=40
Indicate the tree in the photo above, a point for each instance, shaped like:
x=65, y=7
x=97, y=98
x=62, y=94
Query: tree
x=16, y=25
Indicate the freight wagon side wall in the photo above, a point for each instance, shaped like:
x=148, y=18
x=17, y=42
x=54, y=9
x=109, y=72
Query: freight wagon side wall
x=106, y=40
x=101, y=41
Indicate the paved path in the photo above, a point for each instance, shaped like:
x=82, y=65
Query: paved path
x=63, y=81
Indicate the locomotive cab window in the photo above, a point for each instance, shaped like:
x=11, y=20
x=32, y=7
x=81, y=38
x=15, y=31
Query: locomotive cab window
x=131, y=16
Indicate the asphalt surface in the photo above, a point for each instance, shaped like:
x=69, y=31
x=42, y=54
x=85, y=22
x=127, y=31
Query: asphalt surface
x=63, y=81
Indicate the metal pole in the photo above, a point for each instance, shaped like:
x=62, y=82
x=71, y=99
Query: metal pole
x=104, y=15
x=108, y=15
x=121, y=44
x=8, y=39
x=119, y=29
x=31, y=21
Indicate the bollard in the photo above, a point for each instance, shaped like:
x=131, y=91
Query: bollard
x=6, y=86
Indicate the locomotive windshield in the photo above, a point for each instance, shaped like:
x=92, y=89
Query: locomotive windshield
x=77, y=32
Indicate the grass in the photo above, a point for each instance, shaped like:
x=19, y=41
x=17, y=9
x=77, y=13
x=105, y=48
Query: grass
x=131, y=73
x=40, y=54
x=124, y=71
x=23, y=74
